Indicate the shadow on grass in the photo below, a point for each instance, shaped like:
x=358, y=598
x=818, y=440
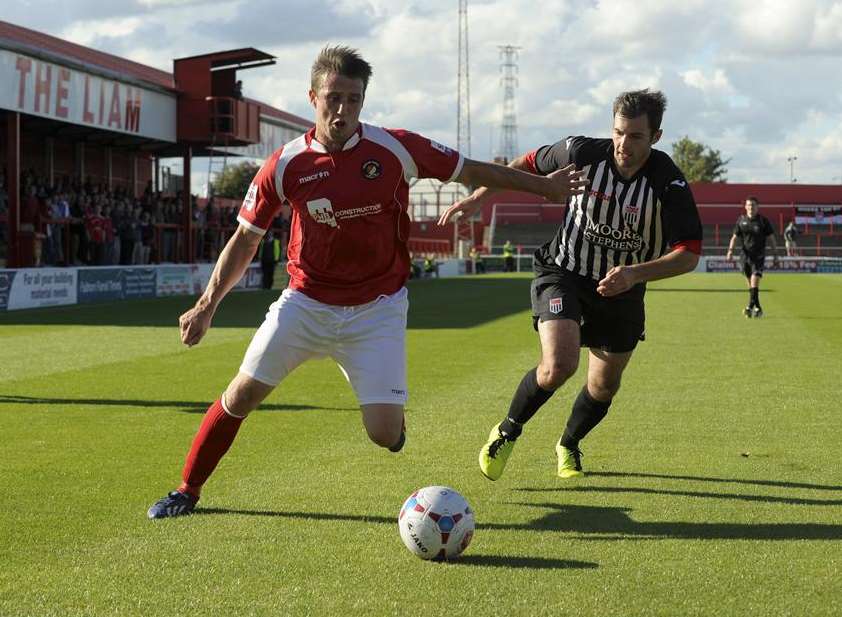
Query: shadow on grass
x=716, y=291
x=513, y=561
x=469, y=301
x=774, y=483
x=795, y=501
x=182, y=406
x=597, y=522
x=594, y=521
x=498, y=561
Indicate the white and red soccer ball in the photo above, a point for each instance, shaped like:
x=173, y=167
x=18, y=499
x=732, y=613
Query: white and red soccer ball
x=436, y=523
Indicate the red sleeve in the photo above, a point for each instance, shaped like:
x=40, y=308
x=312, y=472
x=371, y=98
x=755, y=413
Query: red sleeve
x=529, y=158
x=262, y=202
x=694, y=246
x=431, y=159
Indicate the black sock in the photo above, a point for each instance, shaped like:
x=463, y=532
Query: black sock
x=755, y=296
x=587, y=413
x=399, y=445
x=750, y=297
x=527, y=400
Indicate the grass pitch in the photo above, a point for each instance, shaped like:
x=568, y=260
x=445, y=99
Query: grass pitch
x=714, y=485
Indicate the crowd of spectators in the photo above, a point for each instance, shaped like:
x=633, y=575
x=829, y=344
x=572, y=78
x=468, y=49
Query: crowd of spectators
x=84, y=223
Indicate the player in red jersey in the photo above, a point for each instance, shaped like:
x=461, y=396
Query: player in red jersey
x=348, y=186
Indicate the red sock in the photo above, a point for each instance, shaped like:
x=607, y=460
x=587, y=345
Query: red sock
x=215, y=436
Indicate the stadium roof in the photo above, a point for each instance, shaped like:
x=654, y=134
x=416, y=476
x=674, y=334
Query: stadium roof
x=246, y=57
x=50, y=48
x=53, y=49
x=767, y=194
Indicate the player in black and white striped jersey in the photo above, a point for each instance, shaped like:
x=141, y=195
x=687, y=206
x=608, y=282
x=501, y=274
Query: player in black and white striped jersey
x=636, y=222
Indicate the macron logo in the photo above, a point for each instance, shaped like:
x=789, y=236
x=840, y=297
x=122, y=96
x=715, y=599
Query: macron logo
x=316, y=176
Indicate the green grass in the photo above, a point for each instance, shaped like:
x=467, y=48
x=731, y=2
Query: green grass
x=715, y=486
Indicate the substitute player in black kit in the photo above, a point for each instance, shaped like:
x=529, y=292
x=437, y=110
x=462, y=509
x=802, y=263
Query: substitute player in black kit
x=636, y=222
x=752, y=228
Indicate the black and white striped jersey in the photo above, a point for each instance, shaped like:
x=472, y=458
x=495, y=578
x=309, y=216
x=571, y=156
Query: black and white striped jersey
x=617, y=221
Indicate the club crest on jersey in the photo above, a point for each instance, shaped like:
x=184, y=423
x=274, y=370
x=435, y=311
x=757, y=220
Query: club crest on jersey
x=555, y=306
x=372, y=169
x=631, y=213
x=251, y=197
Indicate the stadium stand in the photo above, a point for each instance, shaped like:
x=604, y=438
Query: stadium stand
x=83, y=134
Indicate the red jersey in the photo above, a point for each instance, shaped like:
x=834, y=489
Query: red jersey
x=349, y=224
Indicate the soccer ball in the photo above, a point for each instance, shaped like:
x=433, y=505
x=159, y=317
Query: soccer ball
x=436, y=523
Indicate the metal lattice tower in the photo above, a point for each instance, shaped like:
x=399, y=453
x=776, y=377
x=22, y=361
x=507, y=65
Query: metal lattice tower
x=463, y=99
x=509, y=81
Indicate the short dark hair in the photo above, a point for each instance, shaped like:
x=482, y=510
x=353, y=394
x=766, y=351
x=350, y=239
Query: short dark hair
x=752, y=198
x=635, y=103
x=340, y=60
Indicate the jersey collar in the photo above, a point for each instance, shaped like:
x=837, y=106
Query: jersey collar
x=316, y=146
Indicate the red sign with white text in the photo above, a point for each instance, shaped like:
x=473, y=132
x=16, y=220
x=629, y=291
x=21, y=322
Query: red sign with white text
x=54, y=91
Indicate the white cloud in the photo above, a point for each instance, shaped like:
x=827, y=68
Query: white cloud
x=715, y=83
x=87, y=32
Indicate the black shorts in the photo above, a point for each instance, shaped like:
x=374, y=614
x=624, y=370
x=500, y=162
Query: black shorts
x=753, y=265
x=613, y=324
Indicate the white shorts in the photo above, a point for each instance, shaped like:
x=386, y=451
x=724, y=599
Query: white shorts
x=367, y=341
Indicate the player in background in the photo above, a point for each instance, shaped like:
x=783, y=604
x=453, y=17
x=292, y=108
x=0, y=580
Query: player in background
x=636, y=222
x=348, y=186
x=752, y=229
x=791, y=233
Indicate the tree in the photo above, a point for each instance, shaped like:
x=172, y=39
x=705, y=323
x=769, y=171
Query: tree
x=698, y=162
x=234, y=180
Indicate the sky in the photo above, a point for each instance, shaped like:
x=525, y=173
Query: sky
x=758, y=80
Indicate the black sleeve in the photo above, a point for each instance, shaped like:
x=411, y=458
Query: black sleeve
x=737, y=231
x=550, y=158
x=679, y=212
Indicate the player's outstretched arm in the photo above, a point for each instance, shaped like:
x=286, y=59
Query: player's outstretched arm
x=230, y=267
x=729, y=255
x=557, y=186
x=622, y=278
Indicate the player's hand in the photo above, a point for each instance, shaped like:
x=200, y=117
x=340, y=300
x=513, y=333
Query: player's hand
x=193, y=324
x=728, y=256
x=565, y=182
x=616, y=281
x=464, y=207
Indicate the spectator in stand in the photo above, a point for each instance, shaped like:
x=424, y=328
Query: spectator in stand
x=49, y=256
x=40, y=228
x=169, y=235
x=147, y=238
x=791, y=232
x=199, y=225
x=95, y=229
x=112, y=240
x=60, y=214
x=28, y=215
x=78, y=235
x=126, y=231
